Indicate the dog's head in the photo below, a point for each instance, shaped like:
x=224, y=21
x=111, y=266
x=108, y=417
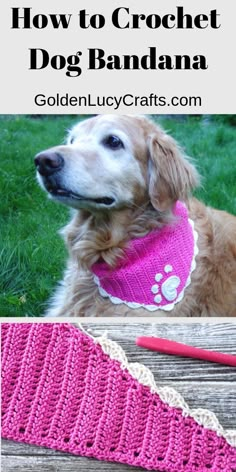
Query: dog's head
x=113, y=161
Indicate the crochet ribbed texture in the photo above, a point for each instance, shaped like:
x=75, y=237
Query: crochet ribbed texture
x=61, y=390
x=155, y=269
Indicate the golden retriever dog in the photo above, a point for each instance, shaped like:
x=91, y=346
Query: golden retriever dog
x=124, y=177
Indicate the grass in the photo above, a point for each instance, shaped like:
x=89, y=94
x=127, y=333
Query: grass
x=32, y=256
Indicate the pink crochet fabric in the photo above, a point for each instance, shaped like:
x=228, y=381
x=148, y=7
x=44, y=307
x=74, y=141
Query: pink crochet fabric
x=60, y=390
x=156, y=268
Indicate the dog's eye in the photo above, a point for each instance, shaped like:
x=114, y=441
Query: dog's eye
x=113, y=142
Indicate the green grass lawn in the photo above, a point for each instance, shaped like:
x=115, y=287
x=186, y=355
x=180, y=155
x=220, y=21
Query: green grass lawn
x=32, y=255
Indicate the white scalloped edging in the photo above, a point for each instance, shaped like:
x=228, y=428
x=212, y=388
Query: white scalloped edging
x=170, y=306
x=168, y=395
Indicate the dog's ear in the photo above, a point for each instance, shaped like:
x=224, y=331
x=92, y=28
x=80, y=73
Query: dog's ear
x=171, y=175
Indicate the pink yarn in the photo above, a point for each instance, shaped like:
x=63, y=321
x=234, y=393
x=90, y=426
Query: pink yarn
x=60, y=390
x=156, y=268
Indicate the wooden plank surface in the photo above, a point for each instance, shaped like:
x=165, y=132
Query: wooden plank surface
x=203, y=384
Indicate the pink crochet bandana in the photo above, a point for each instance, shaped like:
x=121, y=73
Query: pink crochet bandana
x=65, y=390
x=156, y=268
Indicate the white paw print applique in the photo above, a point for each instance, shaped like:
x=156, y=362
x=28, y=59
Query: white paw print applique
x=167, y=288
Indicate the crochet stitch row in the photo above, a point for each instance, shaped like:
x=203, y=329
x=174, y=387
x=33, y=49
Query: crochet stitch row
x=60, y=389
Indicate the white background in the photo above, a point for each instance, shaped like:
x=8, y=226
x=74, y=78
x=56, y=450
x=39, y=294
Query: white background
x=216, y=86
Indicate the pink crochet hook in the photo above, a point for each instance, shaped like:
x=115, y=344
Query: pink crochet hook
x=179, y=349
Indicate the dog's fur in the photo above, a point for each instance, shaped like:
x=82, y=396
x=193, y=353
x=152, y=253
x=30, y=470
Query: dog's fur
x=145, y=177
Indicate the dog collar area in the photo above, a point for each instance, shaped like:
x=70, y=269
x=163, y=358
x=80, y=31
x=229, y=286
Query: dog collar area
x=156, y=268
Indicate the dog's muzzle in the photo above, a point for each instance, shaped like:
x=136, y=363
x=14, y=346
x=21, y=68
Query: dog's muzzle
x=49, y=162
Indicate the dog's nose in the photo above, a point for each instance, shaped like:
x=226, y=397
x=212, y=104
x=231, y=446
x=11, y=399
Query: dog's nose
x=48, y=162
